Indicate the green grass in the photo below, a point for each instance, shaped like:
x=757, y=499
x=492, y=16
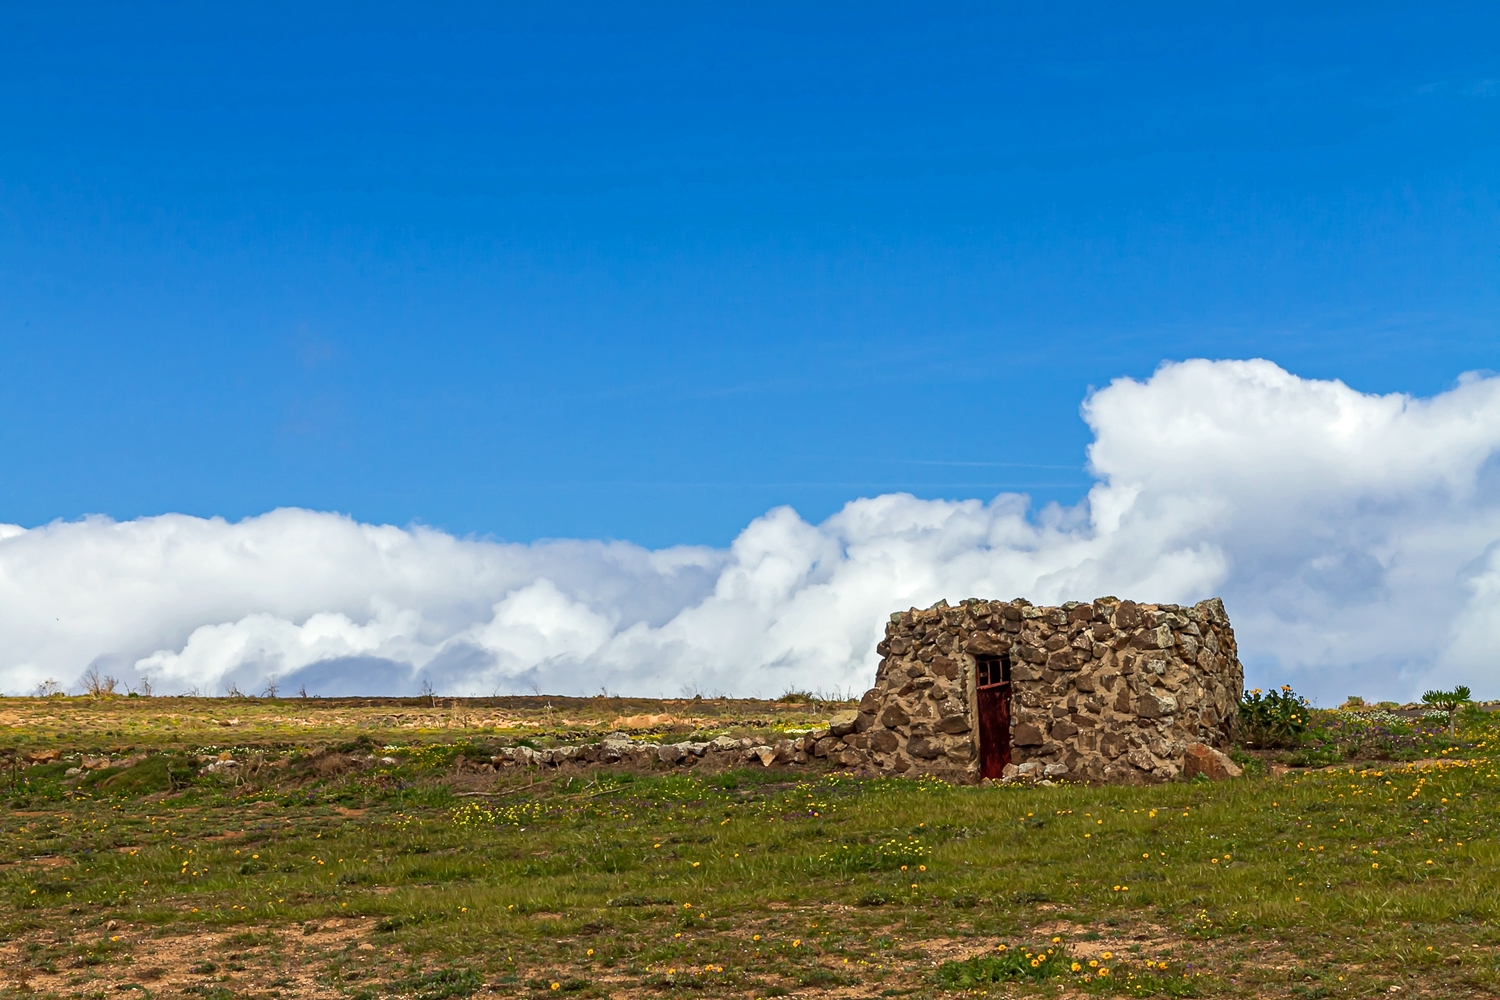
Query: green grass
x=385, y=881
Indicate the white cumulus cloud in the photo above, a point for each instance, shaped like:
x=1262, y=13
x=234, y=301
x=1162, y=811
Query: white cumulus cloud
x=1352, y=536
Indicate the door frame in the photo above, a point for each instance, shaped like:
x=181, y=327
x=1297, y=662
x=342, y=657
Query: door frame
x=992, y=677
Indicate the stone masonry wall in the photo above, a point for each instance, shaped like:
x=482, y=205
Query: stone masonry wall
x=1110, y=691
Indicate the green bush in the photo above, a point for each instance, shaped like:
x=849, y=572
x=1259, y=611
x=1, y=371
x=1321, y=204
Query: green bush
x=1275, y=719
x=150, y=775
x=1004, y=967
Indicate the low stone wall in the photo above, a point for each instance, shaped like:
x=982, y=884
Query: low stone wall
x=619, y=748
x=1109, y=691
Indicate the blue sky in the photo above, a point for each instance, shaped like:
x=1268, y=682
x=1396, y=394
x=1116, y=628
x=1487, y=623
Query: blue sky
x=645, y=271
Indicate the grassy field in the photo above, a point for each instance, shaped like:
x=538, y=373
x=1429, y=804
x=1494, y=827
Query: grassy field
x=352, y=852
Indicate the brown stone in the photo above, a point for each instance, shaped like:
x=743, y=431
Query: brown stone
x=953, y=725
x=1026, y=735
x=924, y=748
x=1200, y=758
x=1061, y=660
x=1159, y=637
x=1063, y=729
x=1024, y=672
x=1154, y=705
x=894, y=718
x=945, y=666
x=986, y=644
x=843, y=723
x=883, y=740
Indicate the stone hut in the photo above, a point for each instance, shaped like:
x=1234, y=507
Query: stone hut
x=1110, y=691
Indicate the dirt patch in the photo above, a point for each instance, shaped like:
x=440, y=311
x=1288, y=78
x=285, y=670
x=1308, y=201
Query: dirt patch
x=644, y=721
x=293, y=959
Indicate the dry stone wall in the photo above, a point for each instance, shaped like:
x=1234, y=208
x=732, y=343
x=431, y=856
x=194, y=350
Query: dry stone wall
x=1109, y=691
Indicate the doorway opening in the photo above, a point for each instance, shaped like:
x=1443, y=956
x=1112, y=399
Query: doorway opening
x=992, y=679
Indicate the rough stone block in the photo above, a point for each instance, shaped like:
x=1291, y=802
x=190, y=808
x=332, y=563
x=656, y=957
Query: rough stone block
x=1027, y=735
x=924, y=748
x=843, y=723
x=1155, y=704
x=954, y=725
x=1200, y=758
x=1159, y=637
x=894, y=717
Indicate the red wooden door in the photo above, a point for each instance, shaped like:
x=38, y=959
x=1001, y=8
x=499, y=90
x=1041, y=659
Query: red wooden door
x=992, y=676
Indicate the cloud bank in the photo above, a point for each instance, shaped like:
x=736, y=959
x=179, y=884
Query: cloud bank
x=1352, y=536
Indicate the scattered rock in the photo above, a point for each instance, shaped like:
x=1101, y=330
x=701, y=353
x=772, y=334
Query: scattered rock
x=1200, y=758
x=843, y=723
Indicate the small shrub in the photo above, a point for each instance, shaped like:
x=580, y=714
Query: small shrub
x=1014, y=965
x=441, y=984
x=154, y=774
x=1275, y=719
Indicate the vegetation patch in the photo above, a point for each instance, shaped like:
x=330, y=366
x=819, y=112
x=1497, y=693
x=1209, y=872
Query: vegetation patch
x=1006, y=965
x=403, y=873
